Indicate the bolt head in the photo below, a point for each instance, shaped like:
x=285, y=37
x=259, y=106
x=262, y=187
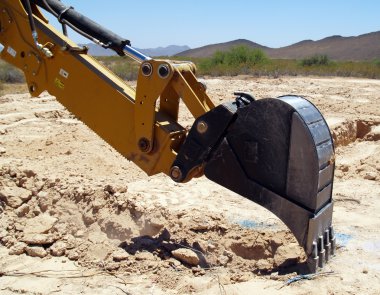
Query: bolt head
x=144, y=144
x=175, y=173
x=202, y=127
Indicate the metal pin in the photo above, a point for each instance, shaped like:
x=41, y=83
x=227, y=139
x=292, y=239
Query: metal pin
x=176, y=173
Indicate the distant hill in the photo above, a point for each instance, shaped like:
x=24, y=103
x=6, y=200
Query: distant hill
x=171, y=50
x=363, y=47
x=165, y=51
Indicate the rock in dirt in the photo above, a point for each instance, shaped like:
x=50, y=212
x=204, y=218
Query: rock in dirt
x=110, y=189
x=44, y=201
x=88, y=218
x=153, y=224
x=15, y=196
x=186, y=255
x=287, y=255
x=58, y=248
x=40, y=224
x=9, y=241
x=98, y=203
x=111, y=266
x=173, y=262
x=264, y=265
x=250, y=248
x=73, y=255
x=3, y=233
x=223, y=260
x=22, y=210
x=98, y=252
x=17, y=249
x=370, y=175
x=29, y=173
x=120, y=255
x=144, y=256
x=38, y=239
x=36, y=251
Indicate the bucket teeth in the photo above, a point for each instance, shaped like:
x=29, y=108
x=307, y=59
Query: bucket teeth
x=332, y=240
x=323, y=249
x=321, y=252
x=327, y=245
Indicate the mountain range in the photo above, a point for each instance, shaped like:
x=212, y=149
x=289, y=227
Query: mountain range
x=362, y=47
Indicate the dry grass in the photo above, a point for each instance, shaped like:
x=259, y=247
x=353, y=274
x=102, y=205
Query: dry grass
x=12, y=80
x=13, y=88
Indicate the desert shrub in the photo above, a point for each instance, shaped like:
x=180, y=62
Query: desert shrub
x=10, y=74
x=243, y=55
x=123, y=67
x=376, y=62
x=237, y=60
x=125, y=70
x=247, y=61
x=318, y=60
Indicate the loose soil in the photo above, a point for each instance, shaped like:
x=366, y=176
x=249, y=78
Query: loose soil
x=76, y=217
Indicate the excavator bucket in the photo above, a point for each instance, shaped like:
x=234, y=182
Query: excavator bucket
x=276, y=152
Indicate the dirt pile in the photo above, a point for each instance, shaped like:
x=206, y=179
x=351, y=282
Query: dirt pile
x=108, y=228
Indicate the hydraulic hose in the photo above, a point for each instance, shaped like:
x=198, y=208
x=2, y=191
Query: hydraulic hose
x=83, y=25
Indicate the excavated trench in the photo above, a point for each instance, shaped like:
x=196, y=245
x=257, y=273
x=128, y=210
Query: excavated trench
x=345, y=132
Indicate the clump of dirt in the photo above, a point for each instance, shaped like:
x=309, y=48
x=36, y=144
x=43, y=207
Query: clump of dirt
x=106, y=227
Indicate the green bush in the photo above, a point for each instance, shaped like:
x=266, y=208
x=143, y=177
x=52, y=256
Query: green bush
x=319, y=60
x=238, y=60
x=243, y=55
x=376, y=62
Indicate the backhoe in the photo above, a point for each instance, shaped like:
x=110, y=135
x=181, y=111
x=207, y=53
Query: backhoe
x=277, y=152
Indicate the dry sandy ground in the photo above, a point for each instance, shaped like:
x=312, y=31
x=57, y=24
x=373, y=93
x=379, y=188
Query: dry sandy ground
x=77, y=218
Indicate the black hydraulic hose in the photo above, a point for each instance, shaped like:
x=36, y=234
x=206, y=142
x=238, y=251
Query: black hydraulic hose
x=41, y=47
x=65, y=22
x=31, y=20
x=64, y=27
x=83, y=25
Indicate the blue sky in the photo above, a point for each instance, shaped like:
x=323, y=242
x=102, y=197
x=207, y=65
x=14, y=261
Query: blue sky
x=201, y=22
